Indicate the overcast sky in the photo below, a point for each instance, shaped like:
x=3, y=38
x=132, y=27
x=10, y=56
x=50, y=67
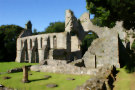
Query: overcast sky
x=40, y=12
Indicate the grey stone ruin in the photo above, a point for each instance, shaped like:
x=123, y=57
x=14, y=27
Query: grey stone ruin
x=63, y=47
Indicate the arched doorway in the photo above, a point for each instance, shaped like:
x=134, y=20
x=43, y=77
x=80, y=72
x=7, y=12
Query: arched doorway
x=87, y=41
x=35, y=53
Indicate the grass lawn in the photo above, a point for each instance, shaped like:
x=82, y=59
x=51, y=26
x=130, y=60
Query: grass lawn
x=37, y=81
x=124, y=80
x=5, y=66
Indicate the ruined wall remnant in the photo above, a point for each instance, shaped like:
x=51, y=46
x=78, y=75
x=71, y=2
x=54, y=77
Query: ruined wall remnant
x=103, y=51
x=41, y=47
x=66, y=45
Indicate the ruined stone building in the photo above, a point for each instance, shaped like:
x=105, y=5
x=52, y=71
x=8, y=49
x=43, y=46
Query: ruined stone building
x=61, y=46
x=66, y=45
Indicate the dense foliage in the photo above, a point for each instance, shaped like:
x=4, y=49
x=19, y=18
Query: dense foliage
x=133, y=46
x=87, y=41
x=8, y=36
x=35, y=32
x=55, y=27
x=107, y=12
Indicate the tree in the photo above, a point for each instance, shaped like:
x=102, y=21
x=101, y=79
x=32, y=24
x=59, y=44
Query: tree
x=35, y=32
x=55, y=27
x=8, y=37
x=107, y=12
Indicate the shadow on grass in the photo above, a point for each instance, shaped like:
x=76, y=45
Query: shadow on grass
x=38, y=79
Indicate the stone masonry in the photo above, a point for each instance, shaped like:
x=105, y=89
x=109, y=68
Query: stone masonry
x=66, y=45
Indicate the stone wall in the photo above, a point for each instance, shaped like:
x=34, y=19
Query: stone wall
x=66, y=45
x=102, y=81
x=61, y=66
x=42, y=44
x=103, y=51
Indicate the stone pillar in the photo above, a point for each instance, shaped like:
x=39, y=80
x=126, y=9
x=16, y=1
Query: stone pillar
x=89, y=60
x=40, y=49
x=51, y=54
x=19, y=50
x=51, y=42
x=29, y=42
x=41, y=54
x=30, y=56
x=34, y=46
x=25, y=74
x=69, y=20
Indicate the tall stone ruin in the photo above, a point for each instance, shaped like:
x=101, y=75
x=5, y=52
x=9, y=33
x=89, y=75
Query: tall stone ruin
x=66, y=45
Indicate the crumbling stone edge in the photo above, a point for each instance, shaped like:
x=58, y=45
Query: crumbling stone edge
x=103, y=80
x=14, y=70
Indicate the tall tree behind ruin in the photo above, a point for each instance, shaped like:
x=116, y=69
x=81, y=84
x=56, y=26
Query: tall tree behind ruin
x=107, y=12
x=8, y=36
x=55, y=27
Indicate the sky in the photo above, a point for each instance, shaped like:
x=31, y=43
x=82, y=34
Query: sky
x=40, y=12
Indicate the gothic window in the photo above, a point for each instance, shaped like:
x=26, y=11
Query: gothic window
x=54, y=42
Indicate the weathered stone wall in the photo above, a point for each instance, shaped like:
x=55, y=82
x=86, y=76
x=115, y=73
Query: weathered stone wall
x=66, y=45
x=103, y=51
x=60, y=66
x=103, y=80
x=41, y=44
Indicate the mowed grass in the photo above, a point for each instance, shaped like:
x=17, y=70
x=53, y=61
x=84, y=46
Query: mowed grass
x=5, y=66
x=37, y=80
x=124, y=80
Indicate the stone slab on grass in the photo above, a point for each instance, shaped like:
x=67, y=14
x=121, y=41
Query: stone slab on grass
x=51, y=85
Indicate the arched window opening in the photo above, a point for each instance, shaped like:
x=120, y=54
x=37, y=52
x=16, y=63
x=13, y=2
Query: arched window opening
x=25, y=52
x=41, y=42
x=36, y=56
x=88, y=39
x=54, y=42
x=30, y=44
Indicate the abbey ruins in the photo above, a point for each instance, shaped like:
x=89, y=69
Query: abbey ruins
x=59, y=49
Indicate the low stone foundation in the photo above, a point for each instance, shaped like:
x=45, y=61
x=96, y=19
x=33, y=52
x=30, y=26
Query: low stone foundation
x=102, y=81
x=102, y=78
x=58, y=66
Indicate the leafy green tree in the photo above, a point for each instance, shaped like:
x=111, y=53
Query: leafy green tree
x=55, y=27
x=35, y=32
x=8, y=37
x=133, y=46
x=107, y=12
